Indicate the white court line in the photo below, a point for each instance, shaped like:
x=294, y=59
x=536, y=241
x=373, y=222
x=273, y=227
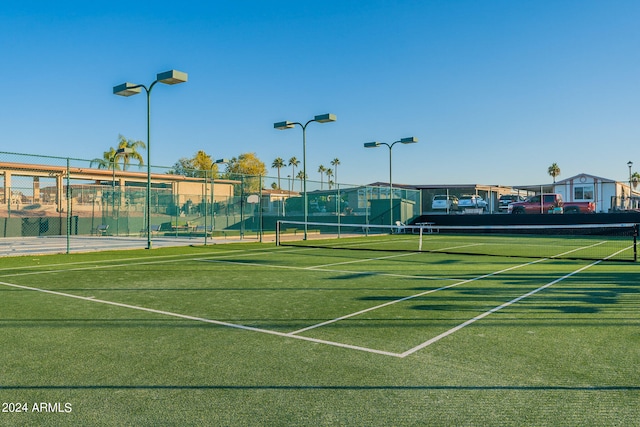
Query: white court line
x=178, y=256
x=493, y=310
x=357, y=261
x=124, y=262
x=579, y=249
x=327, y=270
x=500, y=307
x=347, y=316
x=331, y=343
x=201, y=319
x=456, y=247
x=217, y=322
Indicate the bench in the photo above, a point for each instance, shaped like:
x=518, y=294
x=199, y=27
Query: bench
x=153, y=228
x=101, y=230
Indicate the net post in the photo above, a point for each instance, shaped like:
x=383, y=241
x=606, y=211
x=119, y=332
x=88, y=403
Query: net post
x=636, y=228
x=277, y=233
x=420, y=241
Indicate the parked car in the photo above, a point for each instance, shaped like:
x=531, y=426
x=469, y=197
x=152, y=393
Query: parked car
x=506, y=199
x=444, y=202
x=472, y=201
x=579, y=207
x=549, y=204
x=538, y=204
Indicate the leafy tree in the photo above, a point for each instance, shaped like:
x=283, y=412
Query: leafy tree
x=247, y=164
x=251, y=166
x=278, y=163
x=200, y=165
x=554, y=170
x=111, y=159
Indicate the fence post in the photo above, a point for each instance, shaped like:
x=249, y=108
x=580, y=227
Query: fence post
x=260, y=208
x=68, y=193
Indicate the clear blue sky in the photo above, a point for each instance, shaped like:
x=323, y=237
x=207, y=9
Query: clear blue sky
x=496, y=90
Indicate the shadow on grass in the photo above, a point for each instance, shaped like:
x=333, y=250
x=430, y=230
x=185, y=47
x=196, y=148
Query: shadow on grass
x=322, y=387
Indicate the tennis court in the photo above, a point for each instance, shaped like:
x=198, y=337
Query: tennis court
x=257, y=334
x=49, y=245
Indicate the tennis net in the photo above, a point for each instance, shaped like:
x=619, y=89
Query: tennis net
x=581, y=241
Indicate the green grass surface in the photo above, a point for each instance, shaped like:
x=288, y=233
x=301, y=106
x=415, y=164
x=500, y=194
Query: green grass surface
x=203, y=336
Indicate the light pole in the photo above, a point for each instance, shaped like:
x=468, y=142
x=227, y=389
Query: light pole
x=630, y=164
x=213, y=200
x=322, y=118
x=119, y=151
x=375, y=144
x=170, y=77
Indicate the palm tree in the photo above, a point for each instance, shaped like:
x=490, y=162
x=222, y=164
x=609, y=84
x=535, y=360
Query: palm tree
x=278, y=163
x=321, y=170
x=129, y=151
x=107, y=161
x=301, y=177
x=335, y=162
x=554, y=170
x=293, y=162
x=132, y=152
x=329, y=173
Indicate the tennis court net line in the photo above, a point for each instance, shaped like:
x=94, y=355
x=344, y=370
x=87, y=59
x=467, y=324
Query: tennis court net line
x=617, y=242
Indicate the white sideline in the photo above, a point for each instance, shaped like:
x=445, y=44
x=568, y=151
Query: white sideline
x=493, y=310
x=201, y=319
x=430, y=291
x=294, y=334
x=500, y=307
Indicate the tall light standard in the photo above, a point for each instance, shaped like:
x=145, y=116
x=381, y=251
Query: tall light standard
x=322, y=118
x=119, y=152
x=213, y=200
x=630, y=164
x=409, y=140
x=170, y=77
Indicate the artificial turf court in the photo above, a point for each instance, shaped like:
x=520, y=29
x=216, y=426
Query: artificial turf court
x=255, y=334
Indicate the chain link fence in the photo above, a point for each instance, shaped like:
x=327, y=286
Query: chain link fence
x=62, y=196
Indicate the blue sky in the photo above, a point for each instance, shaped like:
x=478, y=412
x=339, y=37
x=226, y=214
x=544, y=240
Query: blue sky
x=495, y=90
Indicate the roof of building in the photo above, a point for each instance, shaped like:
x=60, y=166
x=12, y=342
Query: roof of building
x=37, y=170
